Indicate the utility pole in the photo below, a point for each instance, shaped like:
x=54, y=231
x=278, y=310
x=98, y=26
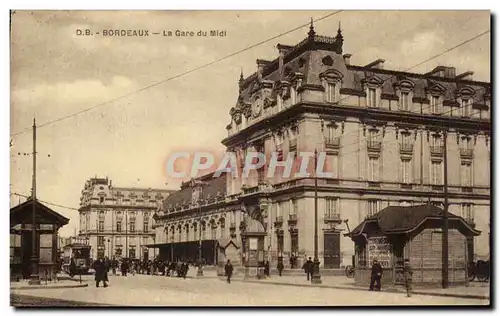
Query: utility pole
x=34, y=278
x=445, y=213
x=316, y=277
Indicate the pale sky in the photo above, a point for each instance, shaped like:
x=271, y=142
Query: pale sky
x=55, y=73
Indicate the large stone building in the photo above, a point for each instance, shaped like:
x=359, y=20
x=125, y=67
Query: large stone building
x=382, y=131
x=118, y=221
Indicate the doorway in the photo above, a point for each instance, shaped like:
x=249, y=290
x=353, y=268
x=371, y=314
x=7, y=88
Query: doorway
x=332, y=250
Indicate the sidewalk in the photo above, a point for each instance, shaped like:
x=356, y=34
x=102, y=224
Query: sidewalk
x=65, y=283
x=474, y=291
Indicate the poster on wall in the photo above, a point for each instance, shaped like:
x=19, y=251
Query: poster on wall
x=46, y=240
x=46, y=255
x=253, y=243
x=379, y=248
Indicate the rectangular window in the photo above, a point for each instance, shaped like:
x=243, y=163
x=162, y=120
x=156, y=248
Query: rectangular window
x=435, y=105
x=467, y=212
x=146, y=227
x=406, y=171
x=405, y=101
x=374, y=139
x=100, y=240
x=333, y=161
x=466, y=107
x=331, y=207
x=372, y=207
x=331, y=92
x=131, y=253
x=466, y=174
x=279, y=207
x=436, y=172
x=119, y=226
x=132, y=226
x=372, y=98
x=373, y=169
x=465, y=143
x=101, y=226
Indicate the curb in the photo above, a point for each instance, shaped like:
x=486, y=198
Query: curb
x=389, y=290
x=51, y=287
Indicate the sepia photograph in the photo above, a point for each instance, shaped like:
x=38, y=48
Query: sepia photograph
x=176, y=158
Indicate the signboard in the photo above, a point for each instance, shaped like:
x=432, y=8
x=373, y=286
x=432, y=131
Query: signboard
x=253, y=244
x=46, y=240
x=46, y=255
x=381, y=249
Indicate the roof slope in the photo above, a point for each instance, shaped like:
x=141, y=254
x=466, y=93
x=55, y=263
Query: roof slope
x=404, y=219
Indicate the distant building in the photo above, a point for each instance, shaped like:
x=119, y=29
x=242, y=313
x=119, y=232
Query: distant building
x=382, y=131
x=118, y=221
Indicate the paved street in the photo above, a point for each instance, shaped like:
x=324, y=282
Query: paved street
x=145, y=290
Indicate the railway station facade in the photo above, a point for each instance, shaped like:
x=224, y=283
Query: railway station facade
x=382, y=131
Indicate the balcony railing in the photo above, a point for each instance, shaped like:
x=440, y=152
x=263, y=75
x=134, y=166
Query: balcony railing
x=466, y=153
x=333, y=143
x=437, y=150
x=406, y=148
x=374, y=145
x=332, y=218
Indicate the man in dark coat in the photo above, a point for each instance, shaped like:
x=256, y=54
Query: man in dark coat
x=267, y=268
x=376, y=275
x=72, y=267
x=101, y=273
x=308, y=267
x=280, y=266
x=228, y=269
x=124, y=267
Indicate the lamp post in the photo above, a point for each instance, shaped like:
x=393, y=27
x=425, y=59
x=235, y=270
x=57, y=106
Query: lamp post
x=316, y=277
x=34, y=277
x=109, y=248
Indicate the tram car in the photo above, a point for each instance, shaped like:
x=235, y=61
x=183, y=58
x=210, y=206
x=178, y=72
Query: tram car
x=81, y=255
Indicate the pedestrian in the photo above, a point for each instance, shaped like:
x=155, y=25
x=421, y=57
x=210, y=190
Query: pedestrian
x=408, y=275
x=308, y=266
x=124, y=267
x=72, y=267
x=376, y=276
x=101, y=273
x=266, y=269
x=280, y=266
x=229, y=270
x=114, y=265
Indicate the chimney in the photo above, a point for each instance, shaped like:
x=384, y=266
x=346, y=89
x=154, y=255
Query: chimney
x=437, y=72
x=465, y=76
x=283, y=50
x=377, y=64
x=449, y=72
x=347, y=58
x=261, y=63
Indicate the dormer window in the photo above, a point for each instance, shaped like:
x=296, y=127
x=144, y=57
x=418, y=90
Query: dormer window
x=405, y=92
x=371, y=98
x=331, y=81
x=405, y=101
x=435, y=104
x=466, y=105
x=331, y=92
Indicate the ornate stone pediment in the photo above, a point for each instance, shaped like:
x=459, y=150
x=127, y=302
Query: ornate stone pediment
x=331, y=75
x=435, y=88
x=373, y=81
x=465, y=92
x=404, y=84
